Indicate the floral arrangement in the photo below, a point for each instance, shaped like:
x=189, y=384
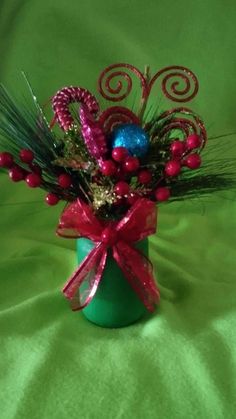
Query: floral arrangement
x=111, y=166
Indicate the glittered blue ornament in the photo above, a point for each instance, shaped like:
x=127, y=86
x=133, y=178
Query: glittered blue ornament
x=132, y=137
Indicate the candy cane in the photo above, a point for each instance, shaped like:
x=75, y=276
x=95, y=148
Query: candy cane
x=67, y=95
x=93, y=134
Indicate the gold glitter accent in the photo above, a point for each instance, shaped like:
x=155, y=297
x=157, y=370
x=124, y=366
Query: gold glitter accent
x=102, y=195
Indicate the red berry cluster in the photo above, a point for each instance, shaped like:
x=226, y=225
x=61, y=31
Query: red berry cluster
x=33, y=174
x=122, y=165
x=181, y=155
x=16, y=173
x=64, y=181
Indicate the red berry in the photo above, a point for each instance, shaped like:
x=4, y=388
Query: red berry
x=119, y=154
x=121, y=188
x=172, y=168
x=64, y=180
x=193, y=161
x=16, y=174
x=33, y=180
x=26, y=156
x=35, y=168
x=162, y=194
x=144, y=177
x=131, y=164
x=177, y=148
x=108, y=168
x=51, y=199
x=193, y=141
x=6, y=159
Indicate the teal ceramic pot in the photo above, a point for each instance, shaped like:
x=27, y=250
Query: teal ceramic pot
x=115, y=303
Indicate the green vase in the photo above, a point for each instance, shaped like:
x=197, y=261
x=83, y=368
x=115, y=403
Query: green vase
x=115, y=303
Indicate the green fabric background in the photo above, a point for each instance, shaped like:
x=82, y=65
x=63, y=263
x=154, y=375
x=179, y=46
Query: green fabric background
x=181, y=362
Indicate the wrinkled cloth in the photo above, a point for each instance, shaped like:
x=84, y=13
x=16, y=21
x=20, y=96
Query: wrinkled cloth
x=179, y=363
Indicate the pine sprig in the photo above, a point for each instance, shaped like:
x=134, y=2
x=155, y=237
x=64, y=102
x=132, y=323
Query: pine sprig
x=215, y=174
x=26, y=127
x=22, y=127
x=201, y=185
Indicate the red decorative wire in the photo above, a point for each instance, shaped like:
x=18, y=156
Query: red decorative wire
x=180, y=121
x=174, y=91
x=115, y=83
x=116, y=115
x=173, y=75
x=120, y=91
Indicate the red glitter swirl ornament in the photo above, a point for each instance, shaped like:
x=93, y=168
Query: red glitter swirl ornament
x=174, y=76
x=115, y=83
x=118, y=73
x=184, y=120
x=65, y=97
x=178, y=83
x=117, y=115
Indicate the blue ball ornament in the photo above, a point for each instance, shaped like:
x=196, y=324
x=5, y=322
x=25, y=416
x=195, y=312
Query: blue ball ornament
x=132, y=137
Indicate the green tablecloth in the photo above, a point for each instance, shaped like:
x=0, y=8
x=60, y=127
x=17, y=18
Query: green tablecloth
x=180, y=362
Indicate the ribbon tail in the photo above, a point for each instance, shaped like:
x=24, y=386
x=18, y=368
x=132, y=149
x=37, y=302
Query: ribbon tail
x=139, y=272
x=88, y=274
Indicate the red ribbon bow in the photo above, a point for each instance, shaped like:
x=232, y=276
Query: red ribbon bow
x=78, y=220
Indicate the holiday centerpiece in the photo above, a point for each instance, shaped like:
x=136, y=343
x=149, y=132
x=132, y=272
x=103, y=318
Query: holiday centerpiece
x=113, y=167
